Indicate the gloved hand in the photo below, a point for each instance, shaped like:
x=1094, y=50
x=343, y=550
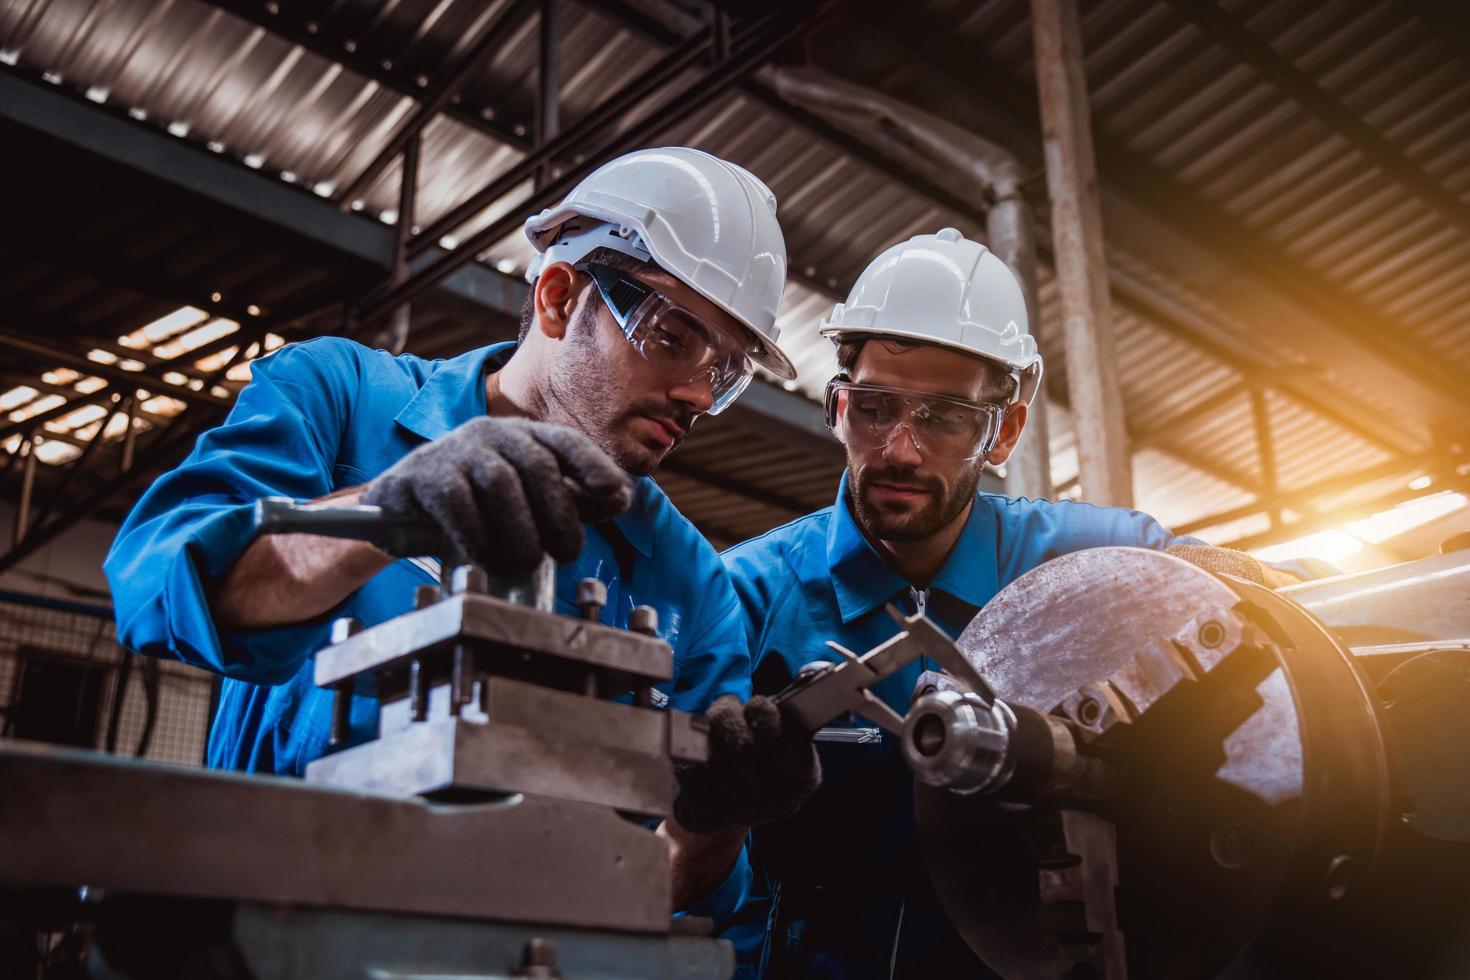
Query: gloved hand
x=760, y=768
x=1225, y=561
x=505, y=490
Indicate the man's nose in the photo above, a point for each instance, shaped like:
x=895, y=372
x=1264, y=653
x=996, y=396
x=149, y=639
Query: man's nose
x=903, y=448
x=697, y=393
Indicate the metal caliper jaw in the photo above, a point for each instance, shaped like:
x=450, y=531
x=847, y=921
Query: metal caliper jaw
x=961, y=737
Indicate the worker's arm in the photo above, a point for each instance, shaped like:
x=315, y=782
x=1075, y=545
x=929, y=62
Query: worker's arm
x=503, y=492
x=287, y=578
x=700, y=863
x=178, y=546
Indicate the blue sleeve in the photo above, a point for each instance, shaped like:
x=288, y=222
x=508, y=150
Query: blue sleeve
x=281, y=438
x=722, y=902
x=715, y=661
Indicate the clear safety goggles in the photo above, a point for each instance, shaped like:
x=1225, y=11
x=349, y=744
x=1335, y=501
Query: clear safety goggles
x=684, y=348
x=941, y=427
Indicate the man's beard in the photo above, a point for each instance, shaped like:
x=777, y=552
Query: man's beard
x=932, y=516
x=580, y=391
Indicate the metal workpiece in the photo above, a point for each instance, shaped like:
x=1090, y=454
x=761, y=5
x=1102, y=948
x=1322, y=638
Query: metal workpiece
x=500, y=632
x=523, y=738
x=957, y=741
x=953, y=740
x=134, y=827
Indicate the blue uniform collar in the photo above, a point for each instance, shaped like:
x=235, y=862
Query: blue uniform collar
x=454, y=393
x=863, y=580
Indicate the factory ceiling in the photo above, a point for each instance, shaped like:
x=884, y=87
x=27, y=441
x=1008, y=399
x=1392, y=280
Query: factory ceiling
x=1285, y=187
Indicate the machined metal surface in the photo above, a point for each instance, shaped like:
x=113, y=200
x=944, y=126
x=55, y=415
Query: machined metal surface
x=161, y=830
x=953, y=740
x=503, y=628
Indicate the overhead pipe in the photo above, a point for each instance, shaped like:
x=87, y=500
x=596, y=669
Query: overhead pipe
x=966, y=165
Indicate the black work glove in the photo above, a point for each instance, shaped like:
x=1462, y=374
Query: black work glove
x=506, y=490
x=1222, y=561
x=760, y=768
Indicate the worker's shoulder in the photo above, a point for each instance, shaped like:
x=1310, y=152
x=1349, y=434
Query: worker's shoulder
x=787, y=540
x=1071, y=511
x=671, y=535
x=1070, y=523
x=335, y=355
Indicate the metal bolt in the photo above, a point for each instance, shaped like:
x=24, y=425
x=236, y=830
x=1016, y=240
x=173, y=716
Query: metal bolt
x=468, y=578
x=460, y=685
x=591, y=597
x=1211, y=634
x=1089, y=711
x=418, y=690
x=1229, y=845
x=341, y=715
x=1341, y=871
x=644, y=619
x=344, y=627
x=538, y=959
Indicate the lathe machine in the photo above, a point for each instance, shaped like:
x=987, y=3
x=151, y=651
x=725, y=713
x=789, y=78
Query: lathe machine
x=1129, y=766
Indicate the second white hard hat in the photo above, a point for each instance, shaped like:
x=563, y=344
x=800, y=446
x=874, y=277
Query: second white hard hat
x=945, y=290
x=707, y=222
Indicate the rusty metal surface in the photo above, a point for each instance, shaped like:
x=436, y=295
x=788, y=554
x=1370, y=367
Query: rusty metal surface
x=147, y=828
x=498, y=625
x=524, y=739
x=1035, y=659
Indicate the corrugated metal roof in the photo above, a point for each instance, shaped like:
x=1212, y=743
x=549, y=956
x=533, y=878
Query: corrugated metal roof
x=1163, y=90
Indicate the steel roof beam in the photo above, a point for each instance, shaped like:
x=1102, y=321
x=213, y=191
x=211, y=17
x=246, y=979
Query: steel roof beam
x=764, y=407
x=678, y=106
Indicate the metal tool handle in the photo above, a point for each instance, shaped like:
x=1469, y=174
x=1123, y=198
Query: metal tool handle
x=403, y=537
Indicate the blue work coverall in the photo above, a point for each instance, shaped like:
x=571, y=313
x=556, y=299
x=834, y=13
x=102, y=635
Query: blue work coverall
x=330, y=414
x=840, y=887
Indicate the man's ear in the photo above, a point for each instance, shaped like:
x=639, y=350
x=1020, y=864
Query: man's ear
x=1010, y=434
x=556, y=292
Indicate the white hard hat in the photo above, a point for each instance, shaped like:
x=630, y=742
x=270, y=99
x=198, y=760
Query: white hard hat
x=946, y=290
x=703, y=220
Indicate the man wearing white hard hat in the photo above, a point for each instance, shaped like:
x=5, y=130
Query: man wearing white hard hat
x=652, y=301
x=937, y=373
